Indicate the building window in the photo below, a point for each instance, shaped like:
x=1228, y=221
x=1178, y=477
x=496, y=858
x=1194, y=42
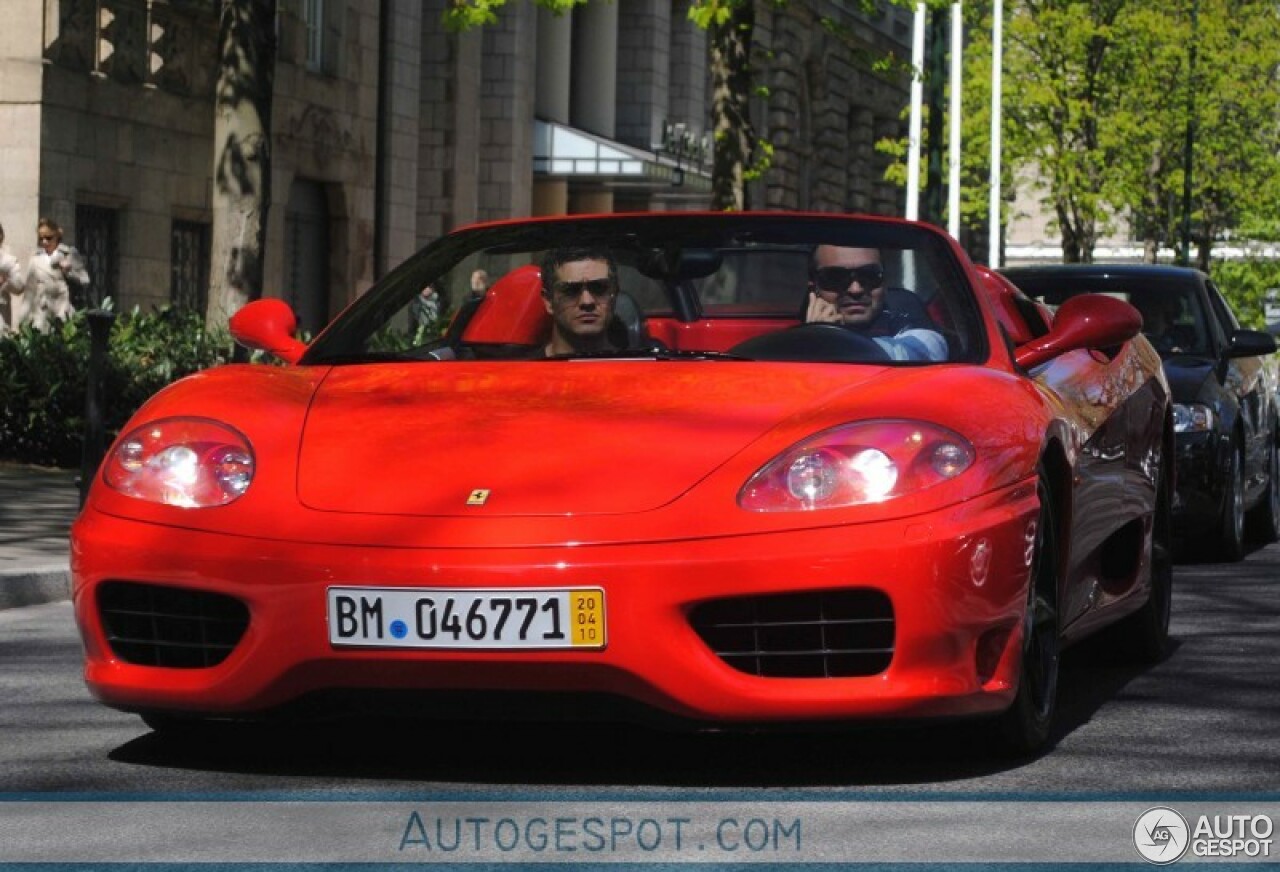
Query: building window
x=189, y=266
x=313, y=15
x=322, y=19
x=306, y=254
x=98, y=238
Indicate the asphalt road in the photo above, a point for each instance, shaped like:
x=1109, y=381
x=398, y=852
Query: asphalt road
x=1206, y=720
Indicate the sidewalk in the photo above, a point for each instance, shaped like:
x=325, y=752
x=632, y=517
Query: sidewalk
x=37, y=506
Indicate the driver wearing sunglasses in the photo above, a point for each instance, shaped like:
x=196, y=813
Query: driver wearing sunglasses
x=579, y=289
x=847, y=287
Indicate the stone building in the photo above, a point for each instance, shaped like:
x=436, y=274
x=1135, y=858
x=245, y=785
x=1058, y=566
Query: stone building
x=389, y=130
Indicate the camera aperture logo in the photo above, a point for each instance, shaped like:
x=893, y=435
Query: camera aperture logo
x=1161, y=836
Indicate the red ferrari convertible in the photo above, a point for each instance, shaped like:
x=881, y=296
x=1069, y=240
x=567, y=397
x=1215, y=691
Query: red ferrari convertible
x=729, y=469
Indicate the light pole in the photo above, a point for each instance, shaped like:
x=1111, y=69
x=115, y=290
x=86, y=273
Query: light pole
x=1188, y=147
x=957, y=74
x=993, y=206
x=917, y=101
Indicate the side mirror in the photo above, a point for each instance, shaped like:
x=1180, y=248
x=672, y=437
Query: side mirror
x=1250, y=343
x=1084, y=321
x=268, y=325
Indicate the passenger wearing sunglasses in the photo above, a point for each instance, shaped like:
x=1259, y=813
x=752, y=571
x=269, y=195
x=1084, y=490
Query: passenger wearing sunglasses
x=53, y=271
x=579, y=289
x=847, y=288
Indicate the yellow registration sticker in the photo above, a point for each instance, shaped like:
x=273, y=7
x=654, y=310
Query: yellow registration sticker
x=586, y=618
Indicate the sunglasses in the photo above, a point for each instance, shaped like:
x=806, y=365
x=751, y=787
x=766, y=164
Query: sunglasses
x=834, y=279
x=598, y=288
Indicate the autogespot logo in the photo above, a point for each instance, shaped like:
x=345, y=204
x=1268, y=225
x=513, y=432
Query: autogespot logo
x=1161, y=835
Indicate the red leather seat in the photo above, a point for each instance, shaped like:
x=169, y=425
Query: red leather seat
x=512, y=311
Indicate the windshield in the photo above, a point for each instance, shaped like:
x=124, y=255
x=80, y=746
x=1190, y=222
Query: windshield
x=679, y=285
x=1173, y=313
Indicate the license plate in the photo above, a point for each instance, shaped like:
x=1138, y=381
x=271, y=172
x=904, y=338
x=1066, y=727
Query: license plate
x=517, y=618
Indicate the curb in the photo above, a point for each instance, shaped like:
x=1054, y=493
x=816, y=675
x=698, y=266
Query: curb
x=34, y=586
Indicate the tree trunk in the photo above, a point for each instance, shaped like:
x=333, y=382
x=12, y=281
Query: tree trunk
x=242, y=155
x=1070, y=241
x=731, y=95
x=1204, y=251
x=1153, y=218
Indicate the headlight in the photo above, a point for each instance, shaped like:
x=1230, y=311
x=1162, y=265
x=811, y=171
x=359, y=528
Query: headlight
x=1192, y=418
x=868, y=462
x=189, y=462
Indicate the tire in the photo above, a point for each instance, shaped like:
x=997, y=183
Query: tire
x=1264, y=519
x=1025, y=727
x=1143, y=637
x=1230, y=543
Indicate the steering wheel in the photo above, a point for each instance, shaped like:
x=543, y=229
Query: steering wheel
x=813, y=343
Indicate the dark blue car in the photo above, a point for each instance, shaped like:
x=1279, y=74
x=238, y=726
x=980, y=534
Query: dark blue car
x=1224, y=390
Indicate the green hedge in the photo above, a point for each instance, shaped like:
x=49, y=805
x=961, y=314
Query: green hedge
x=43, y=378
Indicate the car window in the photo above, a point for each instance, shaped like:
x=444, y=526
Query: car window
x=1222, y=311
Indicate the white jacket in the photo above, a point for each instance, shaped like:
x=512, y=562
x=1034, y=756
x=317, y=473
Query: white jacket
x=48, y=284
x=12, y=281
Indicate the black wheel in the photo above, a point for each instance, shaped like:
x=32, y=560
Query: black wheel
x=1025, y=726
x=1264, y=519
x=1230, y=544
x=1143, y=637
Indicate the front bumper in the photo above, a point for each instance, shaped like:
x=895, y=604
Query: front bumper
x=956, y=580
x=1202, y=467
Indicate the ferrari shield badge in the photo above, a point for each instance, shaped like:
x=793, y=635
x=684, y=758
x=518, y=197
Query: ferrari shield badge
x=478, y=497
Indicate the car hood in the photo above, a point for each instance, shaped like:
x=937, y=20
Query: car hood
x=1187, y=375
x=542, y=438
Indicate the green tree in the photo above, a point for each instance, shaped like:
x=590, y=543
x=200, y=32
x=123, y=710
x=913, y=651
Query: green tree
x=1060, y=91
x=1229, y=100
x=1237, y=121
x=730, y=26
x=1096, y=104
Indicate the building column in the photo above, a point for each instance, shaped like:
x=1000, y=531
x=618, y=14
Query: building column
x=550, y=197
x=397, y=197
x=506, y=113
x=21, y=93
x=555, y=46
x=644, y=52
x=687, y=101
x=593, y=93
x=590, y=201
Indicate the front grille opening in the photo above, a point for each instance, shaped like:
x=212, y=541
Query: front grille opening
x=818, y=634
x=154, y=625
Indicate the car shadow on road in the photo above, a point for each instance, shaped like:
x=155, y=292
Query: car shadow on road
x=621, y=754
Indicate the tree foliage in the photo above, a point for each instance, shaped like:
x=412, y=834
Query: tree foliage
x=1097, y=101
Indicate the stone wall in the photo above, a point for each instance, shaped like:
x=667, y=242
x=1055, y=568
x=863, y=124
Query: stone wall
x=325, y=130
x=826, y=108
x=114, y=135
